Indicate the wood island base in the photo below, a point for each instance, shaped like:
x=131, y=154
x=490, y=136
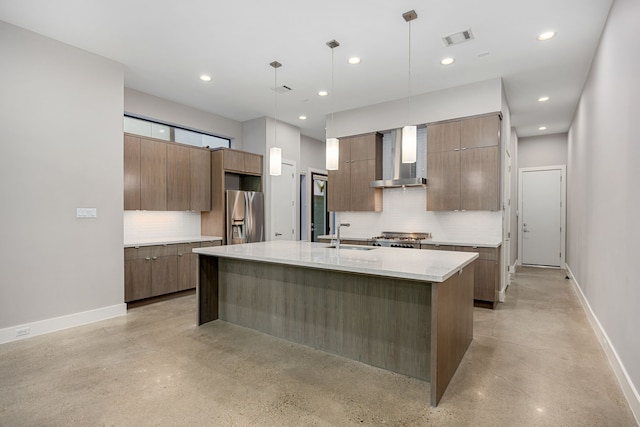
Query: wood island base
x=417, y=328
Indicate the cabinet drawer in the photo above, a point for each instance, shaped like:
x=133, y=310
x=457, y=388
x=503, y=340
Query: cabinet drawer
x=186, y=248
x=438, y=247
x=490, y=254
x=138, y=252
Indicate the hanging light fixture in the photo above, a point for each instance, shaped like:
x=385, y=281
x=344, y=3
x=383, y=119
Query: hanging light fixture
x=409, y=132
x=332, y=144
x=275, y=153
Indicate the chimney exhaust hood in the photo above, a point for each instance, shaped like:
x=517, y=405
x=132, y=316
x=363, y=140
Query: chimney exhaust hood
x=395, y=173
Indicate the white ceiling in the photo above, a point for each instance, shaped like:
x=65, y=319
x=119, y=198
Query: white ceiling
x=165, y=46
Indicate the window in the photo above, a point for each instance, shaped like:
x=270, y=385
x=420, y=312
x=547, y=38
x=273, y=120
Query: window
x=166, y=132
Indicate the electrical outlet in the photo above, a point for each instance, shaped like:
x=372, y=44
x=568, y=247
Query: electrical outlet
x=23, y=331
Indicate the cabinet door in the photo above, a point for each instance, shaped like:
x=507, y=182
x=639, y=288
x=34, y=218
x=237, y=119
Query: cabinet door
x=178, y=178
x=164, y=275
x=363, y=197
x=153, y=181
x=137, y=279
x=187, y=264
x=480, y=184
x=438, y=247
x=200, y=170
x=366, y=147
x=443, y=137
x=480, y=132
x=131, y=172
x=443, y=172
x=253, y=163
x=339, y=186
x=484, y=288
x=233, y=160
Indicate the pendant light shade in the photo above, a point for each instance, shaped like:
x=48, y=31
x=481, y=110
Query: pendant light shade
x=275, y=161
x=333, y=154
x=275, y=153
x=409, y=144
x=409, y=133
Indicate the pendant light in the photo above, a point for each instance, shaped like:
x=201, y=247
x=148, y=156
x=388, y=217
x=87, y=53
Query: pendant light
x=332, y=144
x=275, y=153
x=409, y=132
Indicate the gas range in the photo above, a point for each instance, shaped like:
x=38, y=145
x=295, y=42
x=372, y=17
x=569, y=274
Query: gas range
x=393, y=239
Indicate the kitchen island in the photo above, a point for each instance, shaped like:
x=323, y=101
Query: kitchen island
x=405, y=310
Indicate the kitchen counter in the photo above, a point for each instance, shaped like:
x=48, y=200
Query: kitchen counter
x=170, y=241
x=414, y=264
x=405, y=310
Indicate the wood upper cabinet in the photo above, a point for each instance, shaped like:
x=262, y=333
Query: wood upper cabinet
x=463, y=164
x=131, y=172
x=360, y=162
x=443, y=137
x=153, y=181
x=481, y=131
x=160, y=175
x=241, y=161
x=178, y=178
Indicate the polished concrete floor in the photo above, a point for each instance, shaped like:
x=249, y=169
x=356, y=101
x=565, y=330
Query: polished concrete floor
x=534, y=361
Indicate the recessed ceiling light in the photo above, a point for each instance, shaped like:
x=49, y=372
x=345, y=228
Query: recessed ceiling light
x=205, y=78
x=543, y=99
x=447, y=61
x=354, y=60
x=303, y=117
x=323, y=93
x=546, y=36
x=542, y=128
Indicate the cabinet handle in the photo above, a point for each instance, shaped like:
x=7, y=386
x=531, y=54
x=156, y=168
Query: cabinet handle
x=179, y=254
x=456, y=149
x=464, y=148
x=147, y=259
x=154, y=258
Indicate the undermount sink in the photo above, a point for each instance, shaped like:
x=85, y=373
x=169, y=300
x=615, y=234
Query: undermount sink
x=352, y=247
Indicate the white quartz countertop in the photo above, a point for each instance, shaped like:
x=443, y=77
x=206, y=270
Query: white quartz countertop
x=414, y=264
x=170, y=241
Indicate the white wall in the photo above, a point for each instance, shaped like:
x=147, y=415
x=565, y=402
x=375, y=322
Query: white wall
x=544, y=150
x=312, y=153
x=151, y=107
x=60, y=149
x=462, y=101
x=603, y=197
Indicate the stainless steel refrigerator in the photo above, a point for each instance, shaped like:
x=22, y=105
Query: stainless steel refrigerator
x=245, y=217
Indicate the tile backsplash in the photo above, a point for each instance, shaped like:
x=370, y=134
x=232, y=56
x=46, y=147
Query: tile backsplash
x=149, y=225
x=404, y=209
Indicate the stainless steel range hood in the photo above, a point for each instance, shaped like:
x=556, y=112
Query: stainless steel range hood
x=395, y=173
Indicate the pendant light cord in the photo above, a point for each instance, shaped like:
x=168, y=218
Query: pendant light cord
x=409, y=83
x=332, y=92
x=275, y=120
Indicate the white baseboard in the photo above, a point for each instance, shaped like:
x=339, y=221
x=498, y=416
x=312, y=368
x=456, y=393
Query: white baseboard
x=628, y=389
x=40, y=327
x=512, y=268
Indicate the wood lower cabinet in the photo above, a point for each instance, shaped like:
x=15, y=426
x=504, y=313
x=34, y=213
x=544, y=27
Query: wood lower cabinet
x=486, y=272
x=160, y=269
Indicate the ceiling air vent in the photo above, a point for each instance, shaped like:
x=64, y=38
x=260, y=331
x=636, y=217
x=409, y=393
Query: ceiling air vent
x=457, y=38
x=282, y=89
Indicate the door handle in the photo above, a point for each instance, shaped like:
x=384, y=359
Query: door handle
x=278, y=234
x=525, y=230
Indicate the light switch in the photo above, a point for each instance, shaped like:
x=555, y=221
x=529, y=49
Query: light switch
x=86, y=212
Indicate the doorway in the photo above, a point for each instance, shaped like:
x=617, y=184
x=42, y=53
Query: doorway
x=283, y=203
x=541, y=223
x=319, y=212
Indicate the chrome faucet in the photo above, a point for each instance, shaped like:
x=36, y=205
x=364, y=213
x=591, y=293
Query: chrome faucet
x=338, y=235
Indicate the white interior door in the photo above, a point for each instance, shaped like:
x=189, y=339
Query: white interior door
x=283, y=203
x=542, y=216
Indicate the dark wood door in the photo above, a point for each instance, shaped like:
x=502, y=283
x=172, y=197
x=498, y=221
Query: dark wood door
x=137, y=279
